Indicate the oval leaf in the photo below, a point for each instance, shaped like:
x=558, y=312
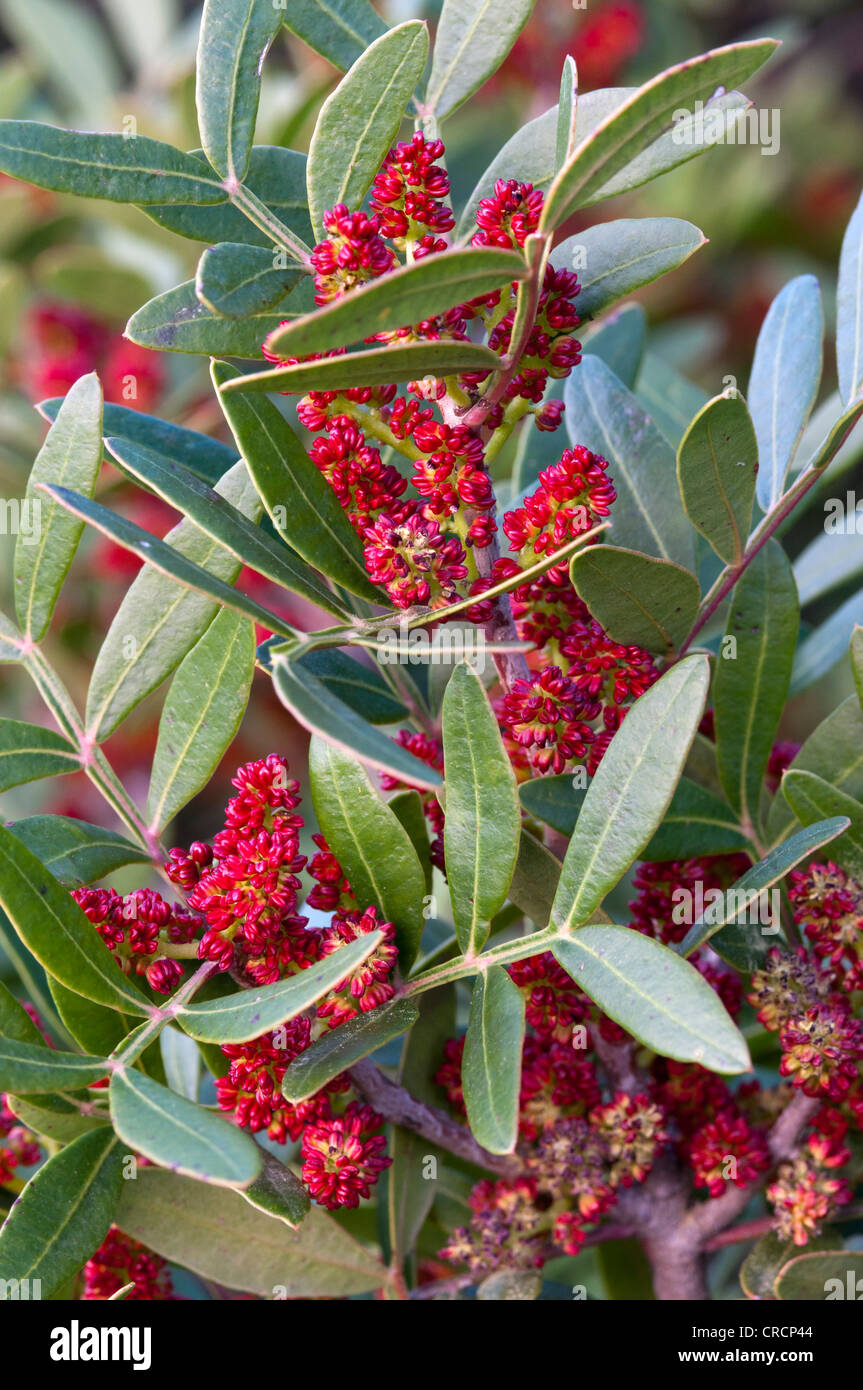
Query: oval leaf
x=72, y=455
x=360, y=119
x=637, y=599
x=232, y=45
x=176, y=1134
x=716, y=467
x=631, y=790
x=240, y=1017
x=655, y=996
x=52, y=926
x=371, y=844
x=483, y=821
x=216, y=1235
x=753, y=675
x=472, y=40
x=341, y=1047
x=491, y=1066
x=789, y=347
x=63, y=1214
x=201, y=715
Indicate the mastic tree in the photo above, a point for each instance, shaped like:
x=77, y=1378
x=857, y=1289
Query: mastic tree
x=557, y=631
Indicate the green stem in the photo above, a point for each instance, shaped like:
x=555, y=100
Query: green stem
x=266, y=221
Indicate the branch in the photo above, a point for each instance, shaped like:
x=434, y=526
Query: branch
x=399, y=1107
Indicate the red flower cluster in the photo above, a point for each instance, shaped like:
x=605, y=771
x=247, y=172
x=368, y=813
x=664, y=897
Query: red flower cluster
x=245, y=886
x=18, y=1147
x=63, y=343
x=828, y=904
x=821, y=1041
x=140, y=931
x=119, y=1261
x=807, y=1189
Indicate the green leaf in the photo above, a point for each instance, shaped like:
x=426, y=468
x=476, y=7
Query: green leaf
x=95, y=1029
x=341, y=1047
x=408, y=807
x=63, y=1214
x=606, y=418
x=769, y=870
x=278, y=1193
x=820, y=1277
x=360, y=119
x=237, y=1018
x=215, y=516
x=216, y=1236
x=61, y=1121
x=71, y=454
x=717, y=463
x=555, y=800
x=16, y=1025
x=642, y=119
x=33, y=978
x=12, y=646
x=813, y=800
x=768, y=1257
x=638, y=600
x=534, y=883
x=201, y=715
x=182, y=1061
x=30, y=1068
x=829, y=560
x=323, y=713
x=359, y=686
x=236, y=280
x=28, y=752
x=483, y=820
x=276, y=176
x=340, y=30
x=299, y=500
x=835, y=752
x=531, y=154
x=631, y=790
x=751, y=683
x=176, y=1134
x=206, y=457
x=371, y=367
x=52, y=926
x=158, y=622
x=619, y=341
x=75, y=851
x=491, y=1067
x=789, y=347
x=120, y=168
x=233, y=42
x=696, y=823
x=653, y=994
x=370, y=843
x=409, y=294
x=849, y=309
x=164, y=559
x=619, y=257
x=472, y=40
x=669, y=398
x=826, y=645
x=177, y=321
x=567, y=113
